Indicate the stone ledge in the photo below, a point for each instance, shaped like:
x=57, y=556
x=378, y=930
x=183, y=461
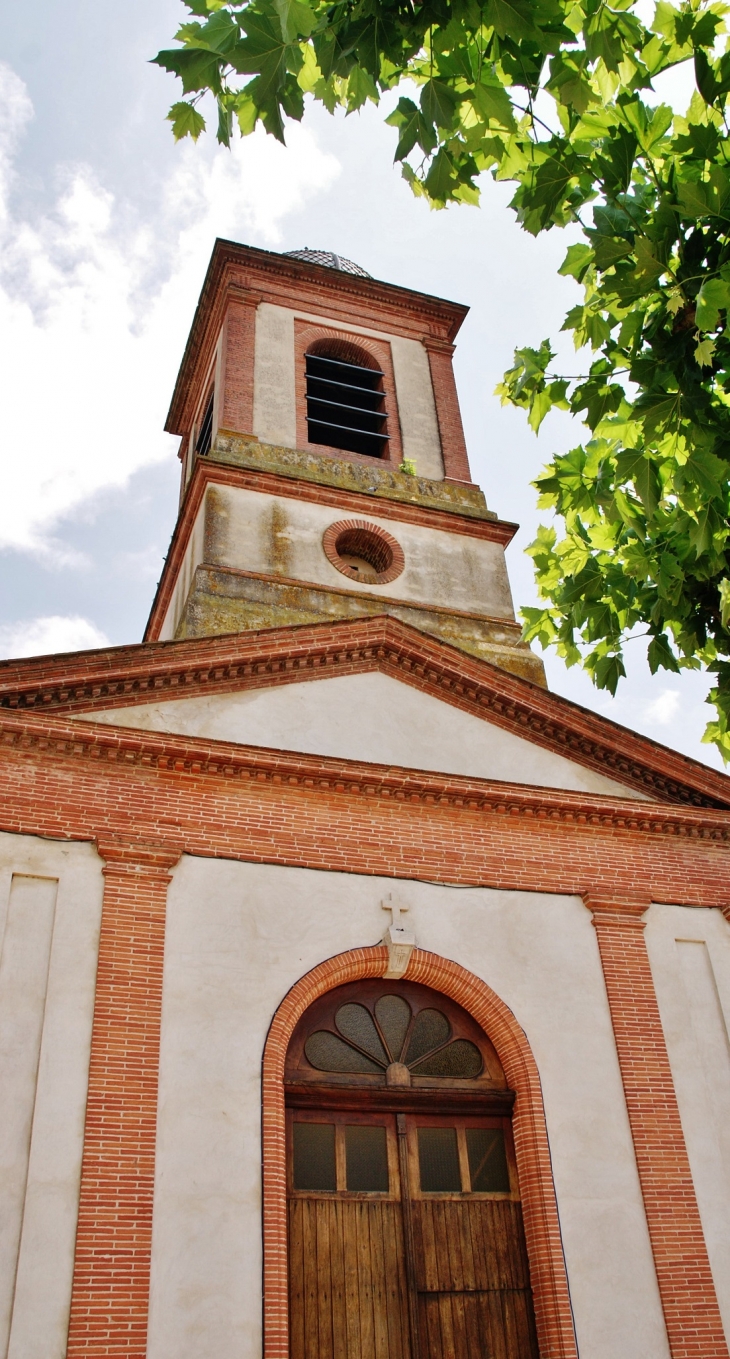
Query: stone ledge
x=382, y=482
x=227, y=601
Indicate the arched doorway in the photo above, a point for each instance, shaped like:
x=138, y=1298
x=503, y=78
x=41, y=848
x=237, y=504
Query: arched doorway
x=405, y=1224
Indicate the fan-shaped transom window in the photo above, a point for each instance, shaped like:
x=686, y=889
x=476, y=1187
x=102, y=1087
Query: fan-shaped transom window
x=345, y=399
x=401, y=1034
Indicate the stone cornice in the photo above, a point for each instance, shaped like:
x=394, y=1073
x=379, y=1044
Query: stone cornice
x=271, y=276
x=370, y=477
x=131, y=749
x=112, y=678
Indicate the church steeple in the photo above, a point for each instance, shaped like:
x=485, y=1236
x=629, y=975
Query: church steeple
x=324, y=467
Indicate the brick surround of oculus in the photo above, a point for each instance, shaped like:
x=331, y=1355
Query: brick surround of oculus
x=359, y=997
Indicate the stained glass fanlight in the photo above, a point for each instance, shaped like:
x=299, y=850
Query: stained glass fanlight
x=369, y=1041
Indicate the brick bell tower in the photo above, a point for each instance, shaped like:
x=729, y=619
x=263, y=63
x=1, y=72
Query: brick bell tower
x=324, y=470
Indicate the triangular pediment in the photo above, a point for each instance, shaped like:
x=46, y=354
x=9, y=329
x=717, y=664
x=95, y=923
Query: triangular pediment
x=370, y=690
x=369, y=717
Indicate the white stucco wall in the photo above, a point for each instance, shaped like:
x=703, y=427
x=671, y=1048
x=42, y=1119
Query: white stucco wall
x=689, y=952
x=365, y=717
x=191, y=560
x=253, y=531
x=274, y=398
x=50, y=911
x=239, y=936
x=416, y=407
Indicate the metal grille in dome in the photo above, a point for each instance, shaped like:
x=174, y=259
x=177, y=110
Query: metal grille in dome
x=329, y=260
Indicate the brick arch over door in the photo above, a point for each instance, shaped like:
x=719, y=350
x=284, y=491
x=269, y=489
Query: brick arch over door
x=553, y=1314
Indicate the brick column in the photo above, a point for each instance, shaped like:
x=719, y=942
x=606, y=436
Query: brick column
x=110, y=1291
x=448, y=413
x=691, y=1312
x=235, y=407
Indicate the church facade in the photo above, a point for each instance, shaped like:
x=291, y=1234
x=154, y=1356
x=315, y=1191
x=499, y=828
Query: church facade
x=359, y=998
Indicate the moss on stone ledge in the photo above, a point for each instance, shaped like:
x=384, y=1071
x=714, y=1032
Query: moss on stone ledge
x=383, y=482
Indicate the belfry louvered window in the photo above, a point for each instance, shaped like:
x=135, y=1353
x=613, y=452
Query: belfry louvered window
x=346, y=405
x=205, y=432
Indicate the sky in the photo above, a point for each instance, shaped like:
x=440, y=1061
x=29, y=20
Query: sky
x=106, y=228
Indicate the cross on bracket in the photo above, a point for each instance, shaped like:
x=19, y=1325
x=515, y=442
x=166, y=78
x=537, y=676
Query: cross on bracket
x=399, y=940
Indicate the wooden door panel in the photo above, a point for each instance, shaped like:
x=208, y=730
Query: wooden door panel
x=497, y=1324
x=347, y=1280
x=473, y=1280
x=469, y=1245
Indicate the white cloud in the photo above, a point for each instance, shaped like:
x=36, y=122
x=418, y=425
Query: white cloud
x=664, y=708
x=90, y=339
x=44, y=636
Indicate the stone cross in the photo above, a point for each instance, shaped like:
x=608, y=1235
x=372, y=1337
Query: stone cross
x=399, y=939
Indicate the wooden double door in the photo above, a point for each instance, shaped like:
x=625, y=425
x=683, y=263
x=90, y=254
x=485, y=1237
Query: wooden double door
x=406, y=1238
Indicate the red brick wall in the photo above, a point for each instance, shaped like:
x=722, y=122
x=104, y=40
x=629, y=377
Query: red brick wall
x=235, y=410
x=448, y=413
x=77, y=780
x=110, y=1294
x=687, y=1291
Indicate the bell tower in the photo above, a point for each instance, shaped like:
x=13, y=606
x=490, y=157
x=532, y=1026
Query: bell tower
x=324, y=469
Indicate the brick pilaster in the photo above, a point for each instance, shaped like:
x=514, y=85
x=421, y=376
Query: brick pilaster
x=235, y=412
x=448, y=413
x=110, y=1293
x=691, y=1311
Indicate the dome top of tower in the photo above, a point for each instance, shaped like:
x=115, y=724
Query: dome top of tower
x=329, y=260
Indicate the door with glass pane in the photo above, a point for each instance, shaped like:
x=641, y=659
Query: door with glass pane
x=405, y=1225
x=347, y=1267
x=469, y=1258
x=406, y=1239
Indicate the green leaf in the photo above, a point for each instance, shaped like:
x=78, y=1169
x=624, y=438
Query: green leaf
x=706, y=472
x=511, y=18
x=296, y=19
x=619, y=161
x=607, y=671
x=413, y=129
x=648, y=267
x=197, y=68
x=713, y=297
x=246, y=113
x=186, y=121
x=702, y=529
x=704, y=353
x=494, y=105
x=633, y=465
x=438, y=103
x=225, y=123
x=360, y=88
x=577, y=260
x=440, y=178
x=660, y=655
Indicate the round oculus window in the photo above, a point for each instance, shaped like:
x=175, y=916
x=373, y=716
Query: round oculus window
x=363, y=552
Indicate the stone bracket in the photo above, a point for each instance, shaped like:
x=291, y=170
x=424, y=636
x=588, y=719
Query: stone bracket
x=398, y=939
